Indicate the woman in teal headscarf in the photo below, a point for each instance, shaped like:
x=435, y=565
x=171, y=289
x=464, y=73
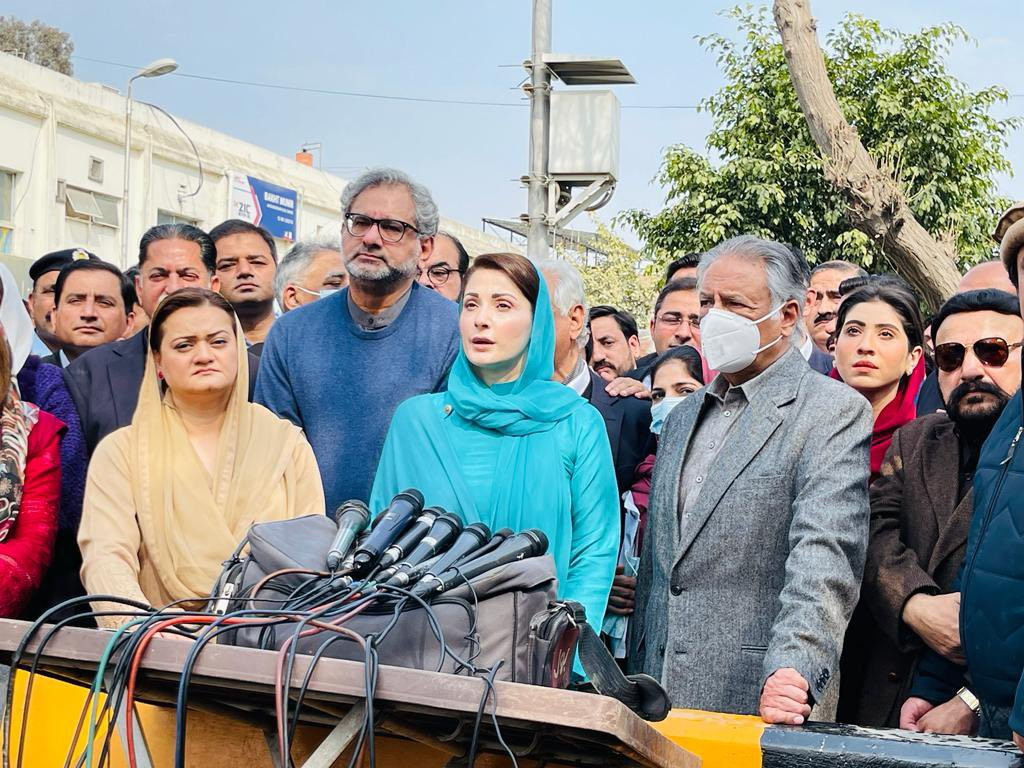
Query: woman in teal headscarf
x=506, y=445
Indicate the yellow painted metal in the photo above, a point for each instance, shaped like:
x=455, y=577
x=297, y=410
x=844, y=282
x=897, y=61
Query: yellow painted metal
x=53, y=715
x=721, y=741
x=212, y=740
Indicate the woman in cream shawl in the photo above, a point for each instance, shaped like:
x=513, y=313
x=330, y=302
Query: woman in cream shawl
x=169, y=497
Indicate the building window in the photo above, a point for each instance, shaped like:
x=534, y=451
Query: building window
x=165, y=217
x=6, y=213
x=6, y=197
x=91, y=207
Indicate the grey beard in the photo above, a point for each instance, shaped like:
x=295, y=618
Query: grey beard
x=385, y=274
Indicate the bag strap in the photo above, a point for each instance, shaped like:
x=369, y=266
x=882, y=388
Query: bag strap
x=641, y=693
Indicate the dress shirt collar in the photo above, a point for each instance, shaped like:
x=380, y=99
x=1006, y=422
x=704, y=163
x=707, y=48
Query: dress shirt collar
x=579, y=379
x=807, y=347
x=719, y=388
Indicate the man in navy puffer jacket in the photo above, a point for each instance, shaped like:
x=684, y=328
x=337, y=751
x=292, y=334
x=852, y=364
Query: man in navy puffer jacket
x=991, y=580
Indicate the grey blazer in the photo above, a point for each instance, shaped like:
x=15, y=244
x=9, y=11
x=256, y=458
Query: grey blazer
x=767, y=573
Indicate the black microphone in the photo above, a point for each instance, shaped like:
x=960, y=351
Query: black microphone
x=389, y=526
x=493, y=543
x=530, y=543
x=352, y=517
x=410, y=537
x=349, y=562
x=405, y=576
x=445, y=528
x=473, y=537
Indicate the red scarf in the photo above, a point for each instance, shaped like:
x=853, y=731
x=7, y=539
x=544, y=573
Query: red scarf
x=901, y=410
x=641, y=489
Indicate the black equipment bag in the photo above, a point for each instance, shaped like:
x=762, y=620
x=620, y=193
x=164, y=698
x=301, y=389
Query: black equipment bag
x=507, y=614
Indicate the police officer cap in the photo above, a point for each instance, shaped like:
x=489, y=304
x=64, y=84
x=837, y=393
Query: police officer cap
x=57, y=260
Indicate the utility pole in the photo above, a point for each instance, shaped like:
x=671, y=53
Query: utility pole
x=539, y=91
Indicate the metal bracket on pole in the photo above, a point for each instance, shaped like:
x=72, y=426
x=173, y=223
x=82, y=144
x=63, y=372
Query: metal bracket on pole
x=592, y=198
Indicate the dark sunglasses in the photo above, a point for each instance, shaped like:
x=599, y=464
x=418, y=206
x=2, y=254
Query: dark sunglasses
x=993, y=352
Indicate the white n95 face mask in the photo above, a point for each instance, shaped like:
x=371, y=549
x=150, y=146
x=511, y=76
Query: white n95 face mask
x=729, y=341
x=661, y=410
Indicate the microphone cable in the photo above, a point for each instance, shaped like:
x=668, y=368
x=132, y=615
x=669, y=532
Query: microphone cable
x=317, y=604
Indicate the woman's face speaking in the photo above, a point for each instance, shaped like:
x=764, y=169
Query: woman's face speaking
x=198, y=351
x=495, y=325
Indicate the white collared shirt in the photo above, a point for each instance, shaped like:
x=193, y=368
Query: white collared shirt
x=807, y=347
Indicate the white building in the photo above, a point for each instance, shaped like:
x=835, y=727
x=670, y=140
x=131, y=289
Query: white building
x=62, y=175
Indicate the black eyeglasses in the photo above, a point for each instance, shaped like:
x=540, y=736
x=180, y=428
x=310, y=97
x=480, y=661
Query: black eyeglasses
x=391, y=230
x=439, y=274
x=993, y=352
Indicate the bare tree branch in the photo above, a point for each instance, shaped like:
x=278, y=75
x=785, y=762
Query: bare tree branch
x=877, y=206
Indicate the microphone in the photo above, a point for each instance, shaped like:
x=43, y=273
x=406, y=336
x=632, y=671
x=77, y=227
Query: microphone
x=530, y=543
x=473, y=537
x=419, y=528
x=402, y=509
x=445, y=528
x=495, y=541
x=349, y=562
x=352, y=517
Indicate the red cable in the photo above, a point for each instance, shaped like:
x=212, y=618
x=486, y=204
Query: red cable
x=184, y=619
x=137, y=661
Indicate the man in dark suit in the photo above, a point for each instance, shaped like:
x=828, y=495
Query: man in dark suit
x=627, y=419
x=920, y=510
x=105, y=382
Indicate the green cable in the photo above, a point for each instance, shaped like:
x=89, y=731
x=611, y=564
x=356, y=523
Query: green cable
x=97, y=683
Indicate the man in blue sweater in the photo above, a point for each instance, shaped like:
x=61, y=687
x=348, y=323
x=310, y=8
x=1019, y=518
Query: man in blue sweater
x=340, y=366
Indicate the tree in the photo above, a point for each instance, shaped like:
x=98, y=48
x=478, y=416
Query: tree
x=875, y=203
x=933, y=135
x=37, y=42
x=621, y=278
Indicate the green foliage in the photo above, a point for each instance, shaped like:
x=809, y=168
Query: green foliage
x=935, y=137
x=622, y=278
x=37, y=42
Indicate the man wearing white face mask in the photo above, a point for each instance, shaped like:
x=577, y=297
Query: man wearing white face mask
x=758, y=516
x=311, y=270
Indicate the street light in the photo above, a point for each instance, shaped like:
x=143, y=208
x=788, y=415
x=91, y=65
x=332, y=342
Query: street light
x=154, y=69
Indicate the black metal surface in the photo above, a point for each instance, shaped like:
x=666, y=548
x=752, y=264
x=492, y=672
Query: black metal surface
x=817, y=745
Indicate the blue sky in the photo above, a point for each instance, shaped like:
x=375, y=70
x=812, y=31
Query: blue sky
x=471, y=156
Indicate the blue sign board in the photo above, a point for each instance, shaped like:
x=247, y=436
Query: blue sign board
x=264, y=204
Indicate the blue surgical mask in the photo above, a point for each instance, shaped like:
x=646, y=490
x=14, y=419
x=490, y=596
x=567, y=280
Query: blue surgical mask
x=661, y=410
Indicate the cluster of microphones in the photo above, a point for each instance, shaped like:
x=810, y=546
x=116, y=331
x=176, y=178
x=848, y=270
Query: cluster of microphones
x=423, y=550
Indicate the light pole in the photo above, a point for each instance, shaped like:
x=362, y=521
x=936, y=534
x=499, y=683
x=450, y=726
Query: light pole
x=155, y=69
x=540, y=106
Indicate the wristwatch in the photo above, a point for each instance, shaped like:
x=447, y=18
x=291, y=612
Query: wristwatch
x=969, y=699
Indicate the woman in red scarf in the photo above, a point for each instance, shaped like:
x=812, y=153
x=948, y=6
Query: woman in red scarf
x=879, y=345
x=879, y=338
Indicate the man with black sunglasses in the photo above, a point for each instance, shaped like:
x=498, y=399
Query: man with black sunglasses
x=920, y=509
x=991, y=579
